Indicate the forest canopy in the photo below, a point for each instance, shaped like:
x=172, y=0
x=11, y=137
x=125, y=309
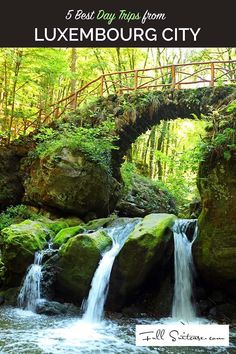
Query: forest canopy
x=33, y=79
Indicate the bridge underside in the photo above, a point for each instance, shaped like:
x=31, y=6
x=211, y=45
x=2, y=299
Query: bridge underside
x=145, y=110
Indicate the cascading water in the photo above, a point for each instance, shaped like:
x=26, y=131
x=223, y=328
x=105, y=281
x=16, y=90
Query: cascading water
x=183, y=308
x=30, y=292
x=94, y=305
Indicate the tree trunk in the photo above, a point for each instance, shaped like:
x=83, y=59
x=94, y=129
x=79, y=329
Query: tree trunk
x=19, y=56
x=73, y=81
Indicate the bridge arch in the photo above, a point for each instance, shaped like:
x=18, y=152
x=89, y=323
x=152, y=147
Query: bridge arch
x=150, y=108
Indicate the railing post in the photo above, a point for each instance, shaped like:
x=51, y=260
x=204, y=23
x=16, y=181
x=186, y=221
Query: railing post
x=173, y=76
x=136, y=80
x=102, y=85
x=212, y=74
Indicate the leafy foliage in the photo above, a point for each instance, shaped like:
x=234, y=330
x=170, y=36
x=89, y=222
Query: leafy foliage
x=128, y=170
x=221, y=137
x=32, y=79
x=96, y=143
x=15, y=214
x=170, y=154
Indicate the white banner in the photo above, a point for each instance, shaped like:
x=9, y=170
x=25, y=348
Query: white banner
x=193, y=335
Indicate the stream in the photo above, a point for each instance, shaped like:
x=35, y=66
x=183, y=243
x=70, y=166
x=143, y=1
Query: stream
x=29, y=333
x=23, y=331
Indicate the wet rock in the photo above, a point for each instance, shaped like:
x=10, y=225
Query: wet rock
x=215, y=247
x=203, y=307
x=132, y=310
x=53, y=308
x=18, y=244
x=79, y=258
x=159, y=302
x=148, y=247
x=49, y=275
x=224, y=312
x=98, y=223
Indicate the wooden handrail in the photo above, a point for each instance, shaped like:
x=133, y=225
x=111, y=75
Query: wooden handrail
x=170, y=75
x=170, y=65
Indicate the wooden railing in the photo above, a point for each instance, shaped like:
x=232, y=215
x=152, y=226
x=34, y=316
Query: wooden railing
x=176, y=76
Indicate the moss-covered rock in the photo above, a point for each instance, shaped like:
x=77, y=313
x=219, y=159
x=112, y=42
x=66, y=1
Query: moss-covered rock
x=98, y=223
x=18, y=244
x=55, y=225
x=68, y=181
x=149, y=246
x=64, y=235
x=73, y=221
x=215, y=248
x=144, y=197
x=79, y=258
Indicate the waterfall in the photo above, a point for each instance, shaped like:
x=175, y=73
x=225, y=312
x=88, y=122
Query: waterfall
x=183, y=308
x=94, y=305
x=30, y=292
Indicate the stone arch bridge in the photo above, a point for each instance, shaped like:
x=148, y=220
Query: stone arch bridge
x=69, y=184
x=166, y=92
x=164, y=105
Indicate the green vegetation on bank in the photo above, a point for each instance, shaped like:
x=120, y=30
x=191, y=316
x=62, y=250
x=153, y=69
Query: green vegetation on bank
x=96, y=143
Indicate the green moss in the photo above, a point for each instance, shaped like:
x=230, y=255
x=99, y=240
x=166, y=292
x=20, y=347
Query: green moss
x=19, y=243
x=73, y=221
x=98, y=223
x=54, y=225
x=215, y=248
x=67, y=233
x=153, y=224
x=29, y=234
x=79, y=258
x=16, y=214
x=57, y=226
x=145, y=248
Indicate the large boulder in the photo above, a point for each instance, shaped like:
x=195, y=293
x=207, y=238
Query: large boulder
x=148, y=248
x=215, y=248
x=78, y=260
x=70, y=182
x=157, y=300
x=144, y=197
x=18, y=244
